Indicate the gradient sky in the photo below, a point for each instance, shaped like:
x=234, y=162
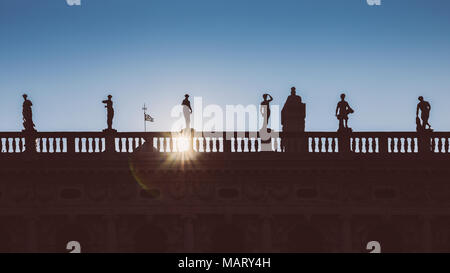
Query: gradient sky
x=69, y=58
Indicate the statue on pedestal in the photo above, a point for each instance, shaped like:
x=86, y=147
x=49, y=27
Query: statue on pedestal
x=187, y=111
x=27, y=114
x=425, y=108
x=293, y=117
x=265, y=109
x=342, y=111
x=110, y=113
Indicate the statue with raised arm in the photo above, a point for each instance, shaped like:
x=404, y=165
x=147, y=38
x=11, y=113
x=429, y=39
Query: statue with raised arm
x=27, y=114
x=342, y=111
x=110, y=112
x=265, y=109
x=424, y=107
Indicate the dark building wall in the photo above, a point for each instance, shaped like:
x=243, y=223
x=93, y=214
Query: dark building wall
x=218, y=203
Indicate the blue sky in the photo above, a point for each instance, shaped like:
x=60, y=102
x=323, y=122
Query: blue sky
x=69, y=58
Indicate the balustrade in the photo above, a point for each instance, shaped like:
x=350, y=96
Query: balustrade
x=390, y=143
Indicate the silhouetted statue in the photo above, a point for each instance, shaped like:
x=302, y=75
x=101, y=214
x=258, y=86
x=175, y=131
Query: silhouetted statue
x=110, y=112
x=293, y=117
x=265, y=109
x=187, y=111
x=342, y=111
x=425, y=108
x=27, y=114
x=293, y=113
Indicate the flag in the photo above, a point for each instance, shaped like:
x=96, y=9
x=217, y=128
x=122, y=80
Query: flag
x=149, y=118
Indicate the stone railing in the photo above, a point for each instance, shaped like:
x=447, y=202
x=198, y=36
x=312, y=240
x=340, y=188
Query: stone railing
x=226, y=142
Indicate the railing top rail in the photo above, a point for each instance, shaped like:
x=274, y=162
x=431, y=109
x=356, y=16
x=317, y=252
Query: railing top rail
x=212, y=134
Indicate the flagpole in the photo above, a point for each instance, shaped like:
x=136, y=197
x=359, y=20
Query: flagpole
x=145, y=122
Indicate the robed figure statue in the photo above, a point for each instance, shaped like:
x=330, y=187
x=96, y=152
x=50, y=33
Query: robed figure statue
x=27, y=114
x=293, y=117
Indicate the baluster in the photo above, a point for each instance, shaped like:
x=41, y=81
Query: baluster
x=125, y=145
x=257, y=144
x=162, y=142
x=7, y=145
x=209, y=144
x=360, y=145
x=410, y=145
x=129, y=144
x=96, y=143
x=413, y=145
x=372, y=145
x=61, y=145
x=242, y=142
x=313, y=144
x=78, y=144
x=14, y=145
x=204, y=144
x=320, y=145
x=442, y=146
x=43, y=145
x=119, y=145
x=367, y=144
x=100, y=145
x=155, y=143
x=433, y=144
x=391, y=144
x=53, y=145
x=333, y=145
x=1, y=145
x=399, y=144
x=171, y=144
x=327, y=145
x=236, y=144
x=19, y=148
x=447, y=145
x=22, y=144
x=197, y=144
x=137, y=142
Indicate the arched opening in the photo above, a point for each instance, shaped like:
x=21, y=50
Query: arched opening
x=228, y=239
x=150, y=239
x=305, y=239
x=388, y=237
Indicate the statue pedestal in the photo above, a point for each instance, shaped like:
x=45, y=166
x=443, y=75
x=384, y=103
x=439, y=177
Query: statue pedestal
x=266, y=139
x=30, y=141
x=345, y=130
